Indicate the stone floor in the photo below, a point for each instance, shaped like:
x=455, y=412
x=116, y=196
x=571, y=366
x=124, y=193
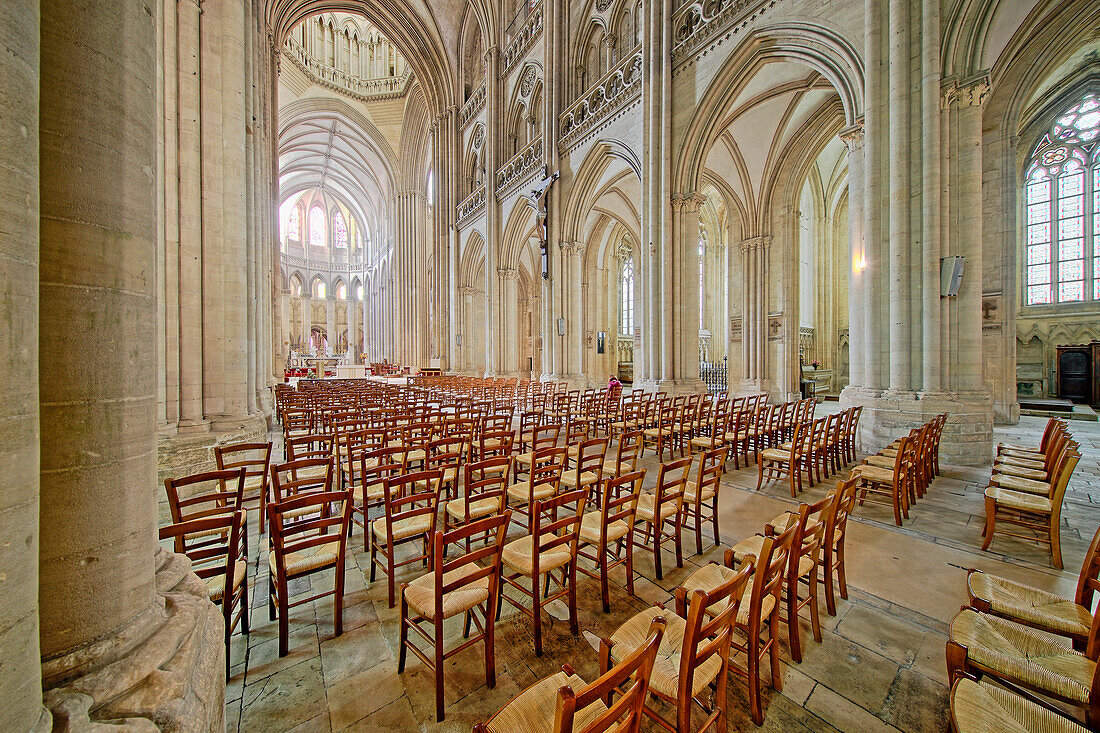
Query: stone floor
x=880, y=666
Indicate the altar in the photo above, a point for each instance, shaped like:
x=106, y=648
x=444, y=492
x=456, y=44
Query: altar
x=318, y=364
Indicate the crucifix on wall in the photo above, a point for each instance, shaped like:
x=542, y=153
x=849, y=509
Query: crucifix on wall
x=540, y=198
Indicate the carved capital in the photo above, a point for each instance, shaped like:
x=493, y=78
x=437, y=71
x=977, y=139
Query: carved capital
x=852, y=137
x=466, y=291
x=687, y=202
x=755, y=243
x=508, y=273
x=972, y=92
x=572, y=248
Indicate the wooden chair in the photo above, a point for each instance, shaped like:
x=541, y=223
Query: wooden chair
x=223, y=567
x=1041, y=609
x=463, y=585
x=309, y=533
x=662, y=512
x=1040, y=514
x=551, y=546
x=891, y=483
x=626, y=457
x=541, y=438
x=1026, y=661
x=486, y=485
x=760, y=615
x=255, y=459
x=447, y=456
x=694, y=653
x=609, y=532
x=202, y=495
x=495, y=444
x=712, y=431
x=832, y=552
x=587, y=470
x=980, y=707
x=786, y=462
x=542, y=483
x=665, y=432
x=701, y=495
x=564, y=703
x=803, y=559
x=411, y=502
x=737, y=437
x=368, y=482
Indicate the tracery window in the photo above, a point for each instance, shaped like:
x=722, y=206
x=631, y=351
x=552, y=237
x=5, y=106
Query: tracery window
x=319, y=288
x=293, y=230
x=340, y=230
x=317, y=226
x=341, y=292
x=626, y=297
x=1062, y=195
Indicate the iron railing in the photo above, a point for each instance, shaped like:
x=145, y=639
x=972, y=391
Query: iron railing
x=715, y=375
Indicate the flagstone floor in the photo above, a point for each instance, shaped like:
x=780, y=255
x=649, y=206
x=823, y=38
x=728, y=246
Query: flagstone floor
x=880, y=666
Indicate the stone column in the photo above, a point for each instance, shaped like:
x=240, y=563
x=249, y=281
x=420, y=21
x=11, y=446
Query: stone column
x=572, y=268
x=900, y=186
x=466, y=295
x=931, y=196
x=857, y=321
x=20, y=676
x=507, y=321
x=754, y=252
x=682, y=295
x=191, y=412
x=123, y=634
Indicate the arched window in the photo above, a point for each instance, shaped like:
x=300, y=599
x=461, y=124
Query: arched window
x=317, y=226
x=296, y=286
x=1062, y=194
x=341, y=292
x=319, y=288
x=626, y=297
x=359, y=292
x=340, y=230
x=293, y=230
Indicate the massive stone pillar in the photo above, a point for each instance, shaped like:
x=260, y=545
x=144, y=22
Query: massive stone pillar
x=507, y=321
x=754, y=309
x=124, y=634
x=680, y=358
x=857, y=321
x=20, y=678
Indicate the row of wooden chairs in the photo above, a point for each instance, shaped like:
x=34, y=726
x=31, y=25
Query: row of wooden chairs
x=817, y=448
x=1009, y=632
x=901, y=473
x=1028, y=486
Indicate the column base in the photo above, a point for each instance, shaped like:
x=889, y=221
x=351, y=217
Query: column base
x=190, y=452
x=687, y=385
x=967, y=437
x=164, y=670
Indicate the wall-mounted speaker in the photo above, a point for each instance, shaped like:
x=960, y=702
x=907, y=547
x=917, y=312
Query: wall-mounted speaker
x=951, y=275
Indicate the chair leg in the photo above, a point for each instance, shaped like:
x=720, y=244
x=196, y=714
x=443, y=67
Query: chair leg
x=490, y=645
x=830, y=594
x=574, y=624
x=773, y=634
x=604, y=595
x=760, y=475
x=536, y=606
x=391, y=556
x=403, y=634
x=792, y=620
x=714, y=518
x=284, y=628
x=338, y=601
x=753, y=665
x=815, y=612
x=657, y=547
x=699, y=529
x=438, y=669
x=990, y=522
x=629, y=550
x=678, y=528
x=1056, y=541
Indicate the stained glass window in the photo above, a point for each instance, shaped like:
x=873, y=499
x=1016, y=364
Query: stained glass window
x=1062, y=200
x=340, y=230
x=626, y=297
x=317, y=226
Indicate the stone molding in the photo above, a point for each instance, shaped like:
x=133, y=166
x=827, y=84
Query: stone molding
x=473, y=105
x=508, y=273
x=572, y=248
x=522, y=41
x=467, y=291
x=165, y=670
x=599, y=104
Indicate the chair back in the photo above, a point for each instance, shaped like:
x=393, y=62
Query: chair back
x=625, y=714
x=576, y=431
x=809, y=533
x=769, y=575
x=590, y=458
x=227, y=559
x=302, y=522
x=301, y=476
x=455, y=573
x=411, y=495
x=202, y=495
x=495, y=443
x=1063, y=471
x=620, y=502
x=544, y=436
x=671, y=481
x=552, y=527
x=312, y=445
x=712, y=464
x=487, y=479
x=707, y=633
x=254, y=458
x=628, y=451
x=836, y=524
